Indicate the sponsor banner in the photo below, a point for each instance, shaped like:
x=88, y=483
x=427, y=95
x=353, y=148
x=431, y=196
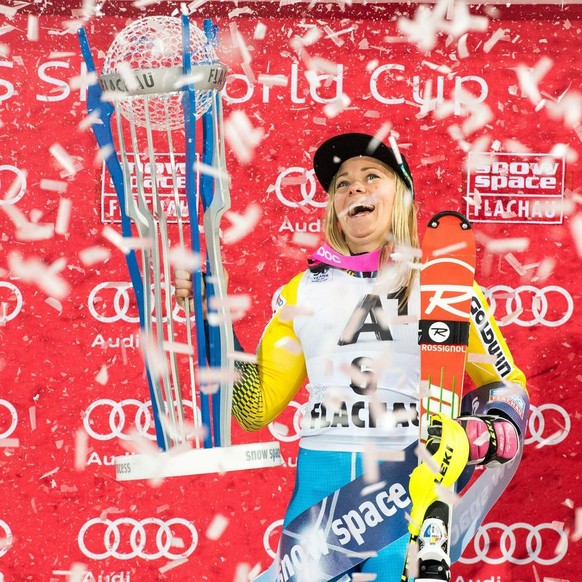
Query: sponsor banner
x=515, y=188
x=171, y=186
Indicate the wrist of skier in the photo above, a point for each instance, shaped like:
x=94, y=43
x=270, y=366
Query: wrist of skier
x=492, y=440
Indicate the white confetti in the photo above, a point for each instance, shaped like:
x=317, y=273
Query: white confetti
x=307, y=239
x=63, y=158
x=501, y=245
x=9, y=443
x=102, y=376
x=242, y=572
x=577, y=534
x=34, y=271
x=481, y=358
x=173, y=563
x=529, y=78
x=242, y=137
x=54, y=185
x=260, y=31
x=184, y=259
x=217, y=527
x=289, y=344
x=499, y=34
x=32, y=28
x=54, y=303
x=124, y=244
x=93, y=255
x=32, y=417
x=81, y=446
x=63, y=216
x=576, y=230
x=335, y=107
x=242, y=224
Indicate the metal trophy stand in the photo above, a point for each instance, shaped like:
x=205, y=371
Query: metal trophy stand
x=161, y=84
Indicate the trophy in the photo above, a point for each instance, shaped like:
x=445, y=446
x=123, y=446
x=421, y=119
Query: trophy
x=156, y=113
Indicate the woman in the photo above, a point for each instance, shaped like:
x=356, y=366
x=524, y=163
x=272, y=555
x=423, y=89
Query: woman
x=347, y=324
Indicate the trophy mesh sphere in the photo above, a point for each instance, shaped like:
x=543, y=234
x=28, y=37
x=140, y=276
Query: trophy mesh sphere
x=152, y=43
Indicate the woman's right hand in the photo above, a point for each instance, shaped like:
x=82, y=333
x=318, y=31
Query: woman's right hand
x=183, y=286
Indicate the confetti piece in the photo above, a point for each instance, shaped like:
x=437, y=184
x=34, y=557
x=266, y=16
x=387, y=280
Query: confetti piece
x=289, y=344
x=242, y=137
x=76, y=573
x=576, y=230
x=307, y=239
x=337, y=106
x=242, y=572
x=242, y=224
x=93, y=255
x=34, y=271
x=63, y=216
x=290, y=312
x=102, y=376
x=217, y=527
x=242, y=357
x=196, y=4
x=172, y=564
x=184, y=259
x=449, y=249
x=423, y=454
x=125, y=244
x=370, y=465
x=260, y=31
x=32, y=417
x=481, y=358
x=501, y=245
x=54, y=303
x=178, y=348
x=363, y=577
x=32, y=28
x=9, y=443
x=577, y=534
x=54, y=185
x=280, y=428
x=63, y=158
x=81, y=446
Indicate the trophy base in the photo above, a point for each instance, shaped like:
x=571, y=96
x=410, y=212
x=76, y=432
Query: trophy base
x=198, y=461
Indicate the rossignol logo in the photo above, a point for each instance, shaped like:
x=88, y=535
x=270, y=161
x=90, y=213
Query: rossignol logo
x=515, y=188
x=439, y=332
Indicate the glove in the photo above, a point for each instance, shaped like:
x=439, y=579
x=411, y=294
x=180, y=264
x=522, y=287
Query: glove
x=492, y=440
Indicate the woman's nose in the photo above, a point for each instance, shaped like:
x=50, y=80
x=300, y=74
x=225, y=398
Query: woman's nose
x=356, y=187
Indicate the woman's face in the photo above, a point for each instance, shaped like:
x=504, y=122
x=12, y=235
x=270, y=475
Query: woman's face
x=363, y=201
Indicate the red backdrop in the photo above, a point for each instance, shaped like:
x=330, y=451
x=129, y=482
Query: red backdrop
x=53, y=353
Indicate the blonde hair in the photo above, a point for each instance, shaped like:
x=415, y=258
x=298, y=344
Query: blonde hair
x=402, y=232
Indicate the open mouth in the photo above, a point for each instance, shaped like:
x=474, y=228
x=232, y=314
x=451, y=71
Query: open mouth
x=360, y=210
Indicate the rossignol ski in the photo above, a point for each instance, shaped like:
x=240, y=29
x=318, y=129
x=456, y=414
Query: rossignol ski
x=446, y=283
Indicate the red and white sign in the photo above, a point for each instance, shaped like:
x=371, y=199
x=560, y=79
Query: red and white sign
x=515, y=188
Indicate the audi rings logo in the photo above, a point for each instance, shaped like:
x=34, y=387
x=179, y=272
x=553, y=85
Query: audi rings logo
x=519, y=543
x=9, y=420
x=109, y=302
x=106, y=419
x=557, y=430
x=272, y=552
x=291, y=435
x=527, y=305
x=5, y=537
x=10, y=306
x=18, y=180
x=300, y=188
x=126, y=538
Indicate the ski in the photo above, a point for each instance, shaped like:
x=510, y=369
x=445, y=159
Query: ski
x=446, y=284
